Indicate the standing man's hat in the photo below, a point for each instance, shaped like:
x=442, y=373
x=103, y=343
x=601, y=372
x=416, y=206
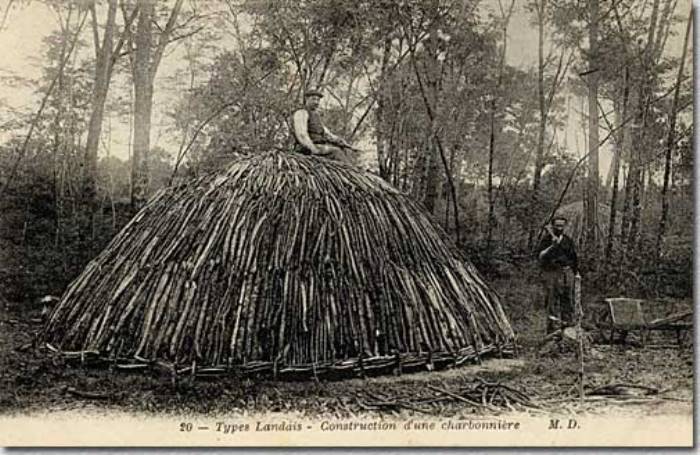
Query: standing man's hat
x=313, y=93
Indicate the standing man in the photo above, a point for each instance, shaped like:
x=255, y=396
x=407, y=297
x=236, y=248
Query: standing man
x=311, y=135
x=559, y=264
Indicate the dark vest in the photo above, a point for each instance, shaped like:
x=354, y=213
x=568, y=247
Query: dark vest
x=562, y=255
x=315, y=128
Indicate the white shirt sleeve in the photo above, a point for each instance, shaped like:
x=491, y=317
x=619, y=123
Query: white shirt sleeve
x=300, y=122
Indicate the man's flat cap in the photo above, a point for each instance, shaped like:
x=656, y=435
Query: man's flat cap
x=314, y=93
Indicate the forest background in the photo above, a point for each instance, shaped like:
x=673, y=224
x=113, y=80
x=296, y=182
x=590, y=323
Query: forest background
x=494, y=114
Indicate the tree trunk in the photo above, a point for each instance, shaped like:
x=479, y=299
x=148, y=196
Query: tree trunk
x=419, y=171
x=59, y=145
x=665, y=25
x=620, y=143
x=593, y=172
x=431, y=75
x=639, y=145
x=143, y=100
x=636, y=178
x=539, y=155
x=670, y=144
x=432, y=177
x=99, y=90
x=492, y=123
x=633, y=132
x=380, y=124
x=146, y=61
x=434, y=137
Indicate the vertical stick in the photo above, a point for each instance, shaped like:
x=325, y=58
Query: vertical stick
x=579, y=329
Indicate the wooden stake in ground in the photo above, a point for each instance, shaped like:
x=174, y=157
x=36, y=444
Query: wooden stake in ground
x=579, y=330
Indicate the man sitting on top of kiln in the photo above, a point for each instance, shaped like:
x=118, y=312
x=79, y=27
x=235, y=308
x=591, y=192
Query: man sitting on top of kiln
x=311, y=135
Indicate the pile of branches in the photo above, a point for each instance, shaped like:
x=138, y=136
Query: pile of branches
x=281, y=262
x=490, y=396
x=481, y=396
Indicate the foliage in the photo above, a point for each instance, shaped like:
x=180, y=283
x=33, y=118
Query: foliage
x=414, y=83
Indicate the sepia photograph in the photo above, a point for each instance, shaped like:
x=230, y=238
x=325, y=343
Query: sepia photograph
x=336, y=223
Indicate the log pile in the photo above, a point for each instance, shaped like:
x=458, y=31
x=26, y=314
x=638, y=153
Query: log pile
x=281, y=263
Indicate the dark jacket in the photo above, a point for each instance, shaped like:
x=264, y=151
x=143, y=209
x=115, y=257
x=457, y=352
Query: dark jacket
x=562, y=255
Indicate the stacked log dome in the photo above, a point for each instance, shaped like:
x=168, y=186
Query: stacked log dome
x=281, y=263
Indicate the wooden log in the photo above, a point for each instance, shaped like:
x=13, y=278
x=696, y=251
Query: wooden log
x=294, y=263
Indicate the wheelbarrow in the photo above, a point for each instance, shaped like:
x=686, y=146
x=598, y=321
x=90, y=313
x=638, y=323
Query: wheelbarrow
x=625, y=315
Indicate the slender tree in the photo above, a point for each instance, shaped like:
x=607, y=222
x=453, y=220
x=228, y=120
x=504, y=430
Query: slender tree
x=505, y=20
x=431, y=111
x=36, y=118
x=380, y=134
x=545, y=98
x=620, y=144
x=106, y=55
x=671, y=142
x=104, y=51
x=592, y=78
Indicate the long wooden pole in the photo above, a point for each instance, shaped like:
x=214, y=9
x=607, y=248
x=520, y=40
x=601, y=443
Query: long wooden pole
x=579, y=332
x=671, y=143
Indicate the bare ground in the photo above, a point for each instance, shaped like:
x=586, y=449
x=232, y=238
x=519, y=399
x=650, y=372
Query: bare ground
x=32, y=382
